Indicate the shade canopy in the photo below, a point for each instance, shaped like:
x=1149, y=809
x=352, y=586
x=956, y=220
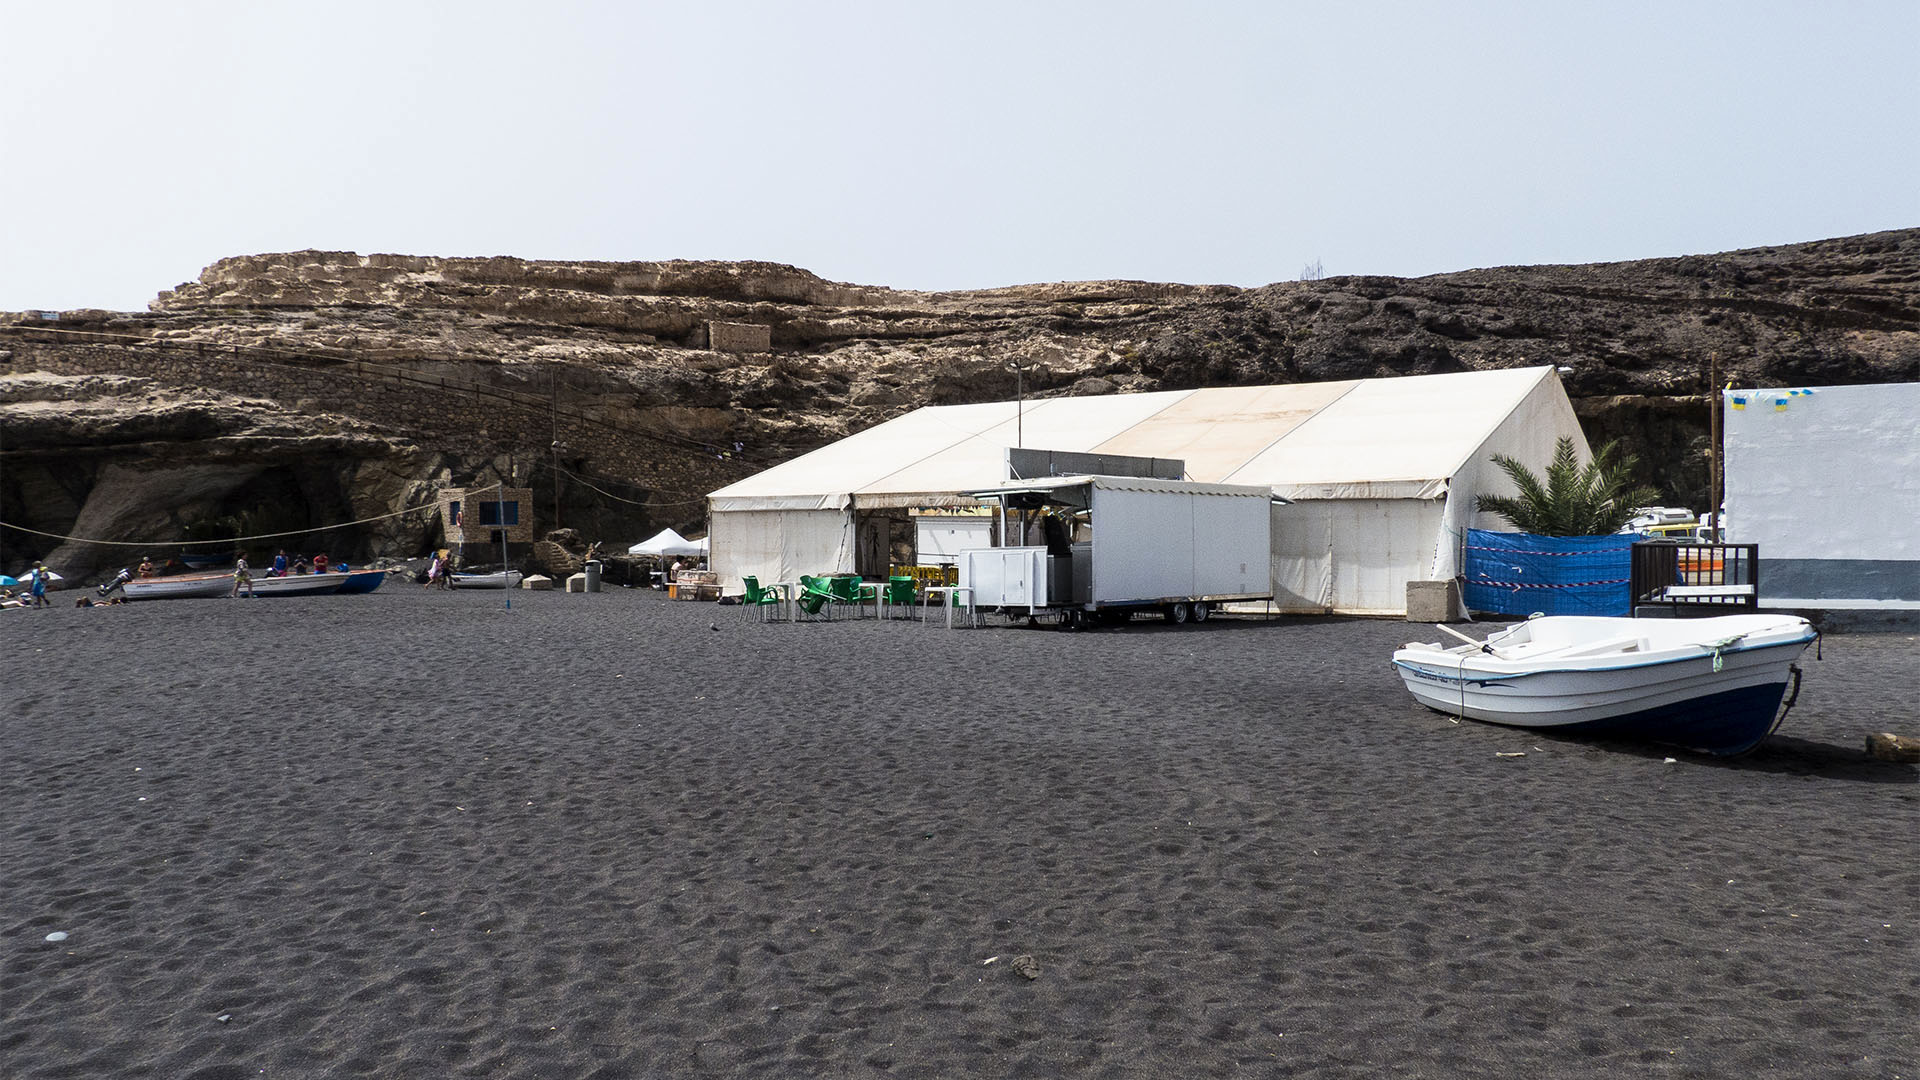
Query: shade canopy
x=668, y=542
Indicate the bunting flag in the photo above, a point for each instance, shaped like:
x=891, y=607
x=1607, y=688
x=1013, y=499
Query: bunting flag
x=1739, y=402
x=1779, y=404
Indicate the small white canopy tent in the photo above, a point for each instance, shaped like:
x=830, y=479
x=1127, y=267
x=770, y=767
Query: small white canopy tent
x=1383, y=474
x=667, y=543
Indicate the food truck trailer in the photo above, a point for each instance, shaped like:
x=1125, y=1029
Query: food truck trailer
x=1106, y=548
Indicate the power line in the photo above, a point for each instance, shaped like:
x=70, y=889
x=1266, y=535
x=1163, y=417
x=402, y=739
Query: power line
x=228, y=540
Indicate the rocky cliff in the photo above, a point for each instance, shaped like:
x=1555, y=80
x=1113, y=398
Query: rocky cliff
x=292, y=391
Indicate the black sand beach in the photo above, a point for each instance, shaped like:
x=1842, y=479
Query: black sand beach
x=418, y=835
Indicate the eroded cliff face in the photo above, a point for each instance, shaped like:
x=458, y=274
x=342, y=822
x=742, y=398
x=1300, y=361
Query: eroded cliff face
x=354, y=383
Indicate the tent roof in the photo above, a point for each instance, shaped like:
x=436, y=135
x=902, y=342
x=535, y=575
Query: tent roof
x=1379, y=438
x=667, y=542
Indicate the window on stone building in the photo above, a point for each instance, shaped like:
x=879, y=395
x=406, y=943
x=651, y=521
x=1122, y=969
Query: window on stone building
x=491, y=513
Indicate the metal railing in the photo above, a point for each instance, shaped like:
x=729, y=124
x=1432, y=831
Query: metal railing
x=1695, y=577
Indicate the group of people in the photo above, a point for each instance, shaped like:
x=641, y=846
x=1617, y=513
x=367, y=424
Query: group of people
x=299, y=565
x=34, y=592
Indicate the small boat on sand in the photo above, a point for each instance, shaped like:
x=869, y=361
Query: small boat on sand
x=1713, y=685
x=498, y=579
x=177, y=587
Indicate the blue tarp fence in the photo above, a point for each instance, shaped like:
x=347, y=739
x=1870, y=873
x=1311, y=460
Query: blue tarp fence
x=1520, y=573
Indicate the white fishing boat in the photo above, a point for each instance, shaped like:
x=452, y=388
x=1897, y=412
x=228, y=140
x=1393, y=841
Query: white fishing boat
x=1705, y=684
x=498, y=579
x=176, y=587
x=296, y=585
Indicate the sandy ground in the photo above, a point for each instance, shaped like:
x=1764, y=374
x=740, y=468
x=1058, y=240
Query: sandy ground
x=417, y=835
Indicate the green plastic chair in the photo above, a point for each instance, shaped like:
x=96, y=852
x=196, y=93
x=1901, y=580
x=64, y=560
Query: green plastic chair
x=760, y=601
x=815, y=596
x=898, y=592
x=846, y=589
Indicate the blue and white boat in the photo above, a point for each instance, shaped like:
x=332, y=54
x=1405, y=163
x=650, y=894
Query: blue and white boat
x=1713, y=685
x=362, y=581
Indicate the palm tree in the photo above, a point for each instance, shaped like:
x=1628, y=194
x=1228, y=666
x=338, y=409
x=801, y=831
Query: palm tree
x=1571, y=500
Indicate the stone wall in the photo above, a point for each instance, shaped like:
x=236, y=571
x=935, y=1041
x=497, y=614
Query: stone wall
x=738, y=337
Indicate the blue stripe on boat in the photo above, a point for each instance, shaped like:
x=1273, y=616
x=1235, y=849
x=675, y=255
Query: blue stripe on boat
x=1730, y=722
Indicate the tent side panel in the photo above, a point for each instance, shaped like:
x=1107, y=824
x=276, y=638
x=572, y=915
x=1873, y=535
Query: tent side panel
x=1354, y=556
x=780, y=545
x=1379, y=545
x=1302, y=561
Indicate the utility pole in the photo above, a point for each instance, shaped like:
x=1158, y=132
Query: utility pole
x=1020, y=403
x=553, y=382
x=1715, y=452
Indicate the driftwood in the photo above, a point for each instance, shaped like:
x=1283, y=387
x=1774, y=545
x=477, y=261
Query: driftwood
x=1890, y=747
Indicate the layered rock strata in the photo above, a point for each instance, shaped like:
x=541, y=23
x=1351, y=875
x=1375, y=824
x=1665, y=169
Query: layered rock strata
x=625, y=391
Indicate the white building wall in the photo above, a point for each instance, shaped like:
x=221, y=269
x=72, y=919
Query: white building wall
x=1827, y=481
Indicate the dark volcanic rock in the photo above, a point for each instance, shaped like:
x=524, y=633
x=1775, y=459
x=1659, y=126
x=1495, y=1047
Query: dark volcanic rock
x=453, y=370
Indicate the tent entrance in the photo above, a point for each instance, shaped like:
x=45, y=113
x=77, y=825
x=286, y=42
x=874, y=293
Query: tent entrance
x=883, y=539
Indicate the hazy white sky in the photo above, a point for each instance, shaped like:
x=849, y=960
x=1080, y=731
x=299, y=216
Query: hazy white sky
x=950, y=145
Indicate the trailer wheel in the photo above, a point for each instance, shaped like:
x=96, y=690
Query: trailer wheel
x=1201, y=611
x=1177, y=613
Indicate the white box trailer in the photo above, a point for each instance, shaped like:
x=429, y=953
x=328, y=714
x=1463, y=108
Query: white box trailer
x=1110, y=547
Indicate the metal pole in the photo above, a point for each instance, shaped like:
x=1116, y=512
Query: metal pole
x=1020, y=403
x=1714, y=475
x=505, y=581
x=554, y=382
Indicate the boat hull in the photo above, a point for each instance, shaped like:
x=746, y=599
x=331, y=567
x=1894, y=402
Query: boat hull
x=179, y=587
x=298, y=585
x=496, y=580
x=1719, y=701
x=362, y=581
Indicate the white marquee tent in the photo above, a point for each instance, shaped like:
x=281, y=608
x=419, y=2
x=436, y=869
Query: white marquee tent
x=1383, y=474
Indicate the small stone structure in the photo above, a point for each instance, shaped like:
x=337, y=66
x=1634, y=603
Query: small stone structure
x=472, y=519
x=739, y=337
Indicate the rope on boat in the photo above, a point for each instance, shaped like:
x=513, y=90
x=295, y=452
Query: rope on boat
x=1793, y=695
x=1721, y=646
x=226, y=540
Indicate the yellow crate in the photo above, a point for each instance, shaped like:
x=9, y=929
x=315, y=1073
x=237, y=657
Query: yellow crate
x=925, y=576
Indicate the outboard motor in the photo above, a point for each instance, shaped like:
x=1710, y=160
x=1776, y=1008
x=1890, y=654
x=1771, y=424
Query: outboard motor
x=122, y=578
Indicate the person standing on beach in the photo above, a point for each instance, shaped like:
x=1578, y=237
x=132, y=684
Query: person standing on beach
x=37, y=585
x=279, y=565
x=242, y=578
